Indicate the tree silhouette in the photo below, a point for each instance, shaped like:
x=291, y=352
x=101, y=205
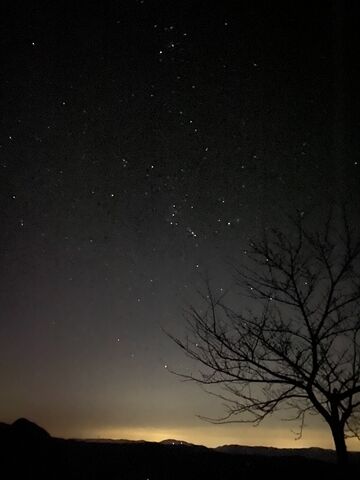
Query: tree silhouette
x=298, y=349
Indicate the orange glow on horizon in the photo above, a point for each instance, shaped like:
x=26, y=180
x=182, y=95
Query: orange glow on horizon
x=213, y=436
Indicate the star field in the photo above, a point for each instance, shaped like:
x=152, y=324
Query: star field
x=142, y=144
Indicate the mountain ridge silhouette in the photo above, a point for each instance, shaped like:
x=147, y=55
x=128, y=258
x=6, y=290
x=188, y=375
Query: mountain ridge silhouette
x=29, y=451
x=28, y=428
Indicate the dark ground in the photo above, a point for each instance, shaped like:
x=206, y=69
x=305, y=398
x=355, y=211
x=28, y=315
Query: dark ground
x=29, y=452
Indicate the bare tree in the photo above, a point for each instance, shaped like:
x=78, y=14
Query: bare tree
x=298, y=349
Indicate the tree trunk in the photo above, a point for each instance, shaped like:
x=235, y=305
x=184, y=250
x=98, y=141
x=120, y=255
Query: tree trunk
x=340, y=445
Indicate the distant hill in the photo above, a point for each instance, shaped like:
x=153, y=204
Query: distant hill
x=311, y=452
x=171, y=441
x=108, y=440
x=168, y=441
x=27, y=429
x=28, y=451
x=317, y=453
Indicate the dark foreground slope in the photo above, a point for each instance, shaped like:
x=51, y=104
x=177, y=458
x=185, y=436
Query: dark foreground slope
x=27, y=451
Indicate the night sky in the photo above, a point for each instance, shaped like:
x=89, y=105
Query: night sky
x=142, y=144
